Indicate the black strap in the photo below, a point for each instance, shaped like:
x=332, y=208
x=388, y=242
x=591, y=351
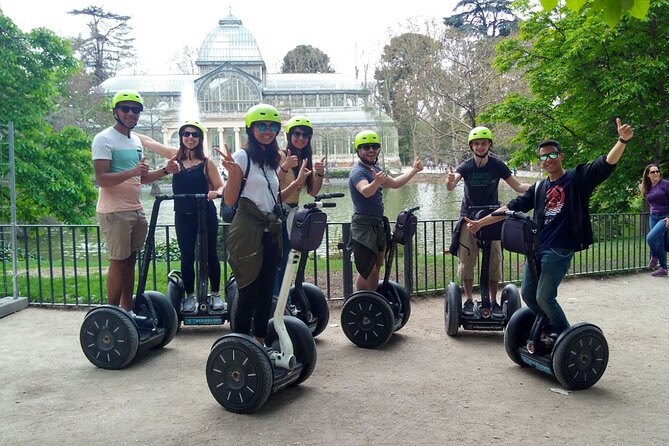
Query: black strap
x=246, y=174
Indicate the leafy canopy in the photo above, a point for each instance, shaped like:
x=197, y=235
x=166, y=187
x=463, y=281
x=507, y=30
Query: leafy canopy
x=53, y=170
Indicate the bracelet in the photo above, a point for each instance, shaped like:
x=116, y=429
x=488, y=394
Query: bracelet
x=319, y=175
x=281, y=167
x=624, y=141
x=165, y=171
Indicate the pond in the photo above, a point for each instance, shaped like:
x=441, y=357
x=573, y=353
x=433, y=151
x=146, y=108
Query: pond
x=430, y=193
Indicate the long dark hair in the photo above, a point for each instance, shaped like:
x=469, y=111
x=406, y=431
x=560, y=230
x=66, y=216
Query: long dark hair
x=645, y=185
x=198, y=151
x=270, y=156
x=305, y=153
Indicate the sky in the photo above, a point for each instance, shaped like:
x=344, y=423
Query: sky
x=350, y=32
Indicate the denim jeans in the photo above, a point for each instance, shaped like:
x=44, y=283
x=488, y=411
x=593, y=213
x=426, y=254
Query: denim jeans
x=655, y=238
x=541, y=295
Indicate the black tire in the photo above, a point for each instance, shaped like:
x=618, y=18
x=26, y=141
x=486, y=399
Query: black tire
x=517, y=332
x=239, y=374
x=401, y=309
x=580, y=357
x=510, y=301
x=231, y=295
x=176, y=291
x=452, y=309
x=304, y=347
x=367, y=319
x=167, y=317
x=109, y=338
x=319, y=308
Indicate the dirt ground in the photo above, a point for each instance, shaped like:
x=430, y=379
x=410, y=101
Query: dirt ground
x=421, y=388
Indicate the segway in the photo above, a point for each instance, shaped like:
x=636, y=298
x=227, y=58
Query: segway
x=241, y=373
x=305, y=300
x=204, y=313
x=482, y=319
x=111, y=337
x=369, y=318
x=579, y=355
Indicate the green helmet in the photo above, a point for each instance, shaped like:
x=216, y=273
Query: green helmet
x=480, y=133
x=298, y=121
x=262, y=112
x=366, y=137
x=127, y=95
x=195, y=124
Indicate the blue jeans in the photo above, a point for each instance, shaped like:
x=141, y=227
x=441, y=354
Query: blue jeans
x=655, y=238
x=541, y=295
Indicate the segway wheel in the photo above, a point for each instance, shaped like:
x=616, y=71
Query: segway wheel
x=167, y=317
x=452, y=309
x=304, y=347
x=367, y=319
x=176, y=292
x=319, y=308
x=517, y=332
x=239, y=374
x=581, y=357
x=510, y=300
x=401, y=309
x=109, y=338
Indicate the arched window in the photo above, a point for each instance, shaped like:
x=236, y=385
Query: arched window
x=229, y=92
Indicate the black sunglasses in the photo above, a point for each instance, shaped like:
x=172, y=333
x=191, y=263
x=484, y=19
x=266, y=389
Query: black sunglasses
x=653, y=171
x=127, y=108
x=186, y=134
x=367, y=147
x=298, y=134
x=551, y=155
x=272, y=127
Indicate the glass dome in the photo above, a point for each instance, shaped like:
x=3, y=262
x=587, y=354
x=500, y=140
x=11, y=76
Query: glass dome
x=229, y=41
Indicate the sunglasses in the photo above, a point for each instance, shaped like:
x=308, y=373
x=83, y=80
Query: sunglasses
x=193, y=134
x=273, y=127
x=367, y=147
x=127, y=108
x=653, y=171
x=304, y=135
x=551, y=155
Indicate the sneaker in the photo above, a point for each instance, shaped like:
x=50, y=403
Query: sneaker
x=549, y=340
x=468, y=308
x=662, y=272
x=190, y=304
x=653, y=262
x=217, y=303
x=497, y=311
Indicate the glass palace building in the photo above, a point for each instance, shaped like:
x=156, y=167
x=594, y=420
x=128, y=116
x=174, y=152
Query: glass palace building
x=233, y=77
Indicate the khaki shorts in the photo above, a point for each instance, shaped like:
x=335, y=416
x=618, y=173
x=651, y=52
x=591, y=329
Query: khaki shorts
x=124, y=232
x=469, y=256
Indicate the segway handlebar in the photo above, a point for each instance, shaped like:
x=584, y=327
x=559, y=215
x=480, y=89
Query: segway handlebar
x=320, y=197
x=178, y=196
x=411, y=210
x=512, y=214
x=319, y=204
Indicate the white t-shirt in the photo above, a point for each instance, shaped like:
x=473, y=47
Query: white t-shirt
x=124, y=154
x=256, y=188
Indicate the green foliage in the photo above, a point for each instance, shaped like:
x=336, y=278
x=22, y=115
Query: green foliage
x=53, y=170
x=612, y=10
x=488, y=17
x=582, y=75
x=306, y=59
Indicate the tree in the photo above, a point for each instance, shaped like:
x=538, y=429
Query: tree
x=611, y=9
x=488, y=17
x=108, y=48
x=306, y=59
x=582, y=75
x=53, y=171
x=185, y=59
x=83, y=105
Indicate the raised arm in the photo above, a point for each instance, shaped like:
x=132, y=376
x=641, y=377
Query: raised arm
x=401, y=180
x=156, y=147
x=516, y=185
x=625, y=133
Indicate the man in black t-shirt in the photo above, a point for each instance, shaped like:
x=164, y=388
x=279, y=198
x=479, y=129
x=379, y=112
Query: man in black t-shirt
x=481, y=174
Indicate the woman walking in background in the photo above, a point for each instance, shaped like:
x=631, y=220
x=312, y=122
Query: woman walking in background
x=655, y=191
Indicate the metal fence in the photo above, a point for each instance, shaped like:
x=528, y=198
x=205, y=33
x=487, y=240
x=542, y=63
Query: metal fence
x=66, y=265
